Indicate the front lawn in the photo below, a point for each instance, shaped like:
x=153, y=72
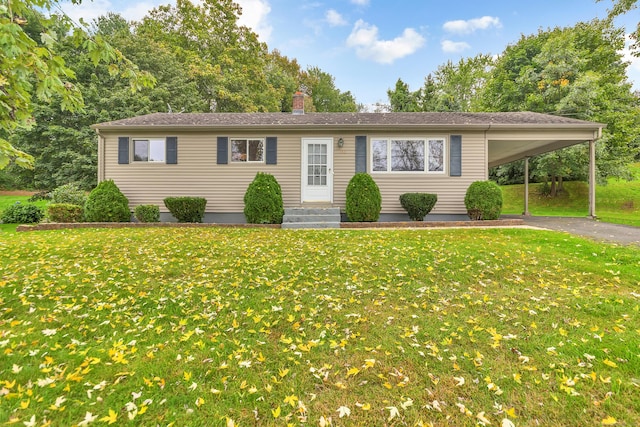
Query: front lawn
x=259, y=327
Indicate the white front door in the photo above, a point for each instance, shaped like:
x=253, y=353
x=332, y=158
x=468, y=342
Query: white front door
x=317, y=170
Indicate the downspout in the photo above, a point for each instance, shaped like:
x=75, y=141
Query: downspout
x=486, y=152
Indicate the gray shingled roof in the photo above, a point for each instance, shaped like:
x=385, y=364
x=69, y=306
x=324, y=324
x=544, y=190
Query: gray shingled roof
x=216, y=120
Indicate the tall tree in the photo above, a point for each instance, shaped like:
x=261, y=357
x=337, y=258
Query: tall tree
x=456, y=86
x=324, y=93
x=31, y=68
x=401, y=99
x=226, y=60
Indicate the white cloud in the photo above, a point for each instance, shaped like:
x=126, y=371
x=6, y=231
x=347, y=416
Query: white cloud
x=472, y=25
x=365, y=39
x=449, y=46
x=334, y=18
x=360, y=2
x=633, y=70
x=255, y=14
x=88, y=11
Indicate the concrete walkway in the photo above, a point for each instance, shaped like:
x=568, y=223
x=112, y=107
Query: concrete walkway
x=585, y=227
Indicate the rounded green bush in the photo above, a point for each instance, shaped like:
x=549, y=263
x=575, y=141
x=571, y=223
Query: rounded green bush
x=418, y=205
x=69, y=193
x=483, y=200
x=186, y=209
x=364, y=201
x=147, y=213
x=263, y=200
x=65, y=212
x=22, y=214
x=106, y=203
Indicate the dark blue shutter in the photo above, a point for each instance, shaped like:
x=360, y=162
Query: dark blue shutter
x=272, y=150
x=223, y=150
x=123, y=150
x=455, y=155
x=172, y=150
x=361, y=154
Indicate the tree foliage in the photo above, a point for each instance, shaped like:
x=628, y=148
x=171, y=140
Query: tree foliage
x=34, y=71
x=401, y=99
x=225, y=60
x=622, y=7
x=452, y=87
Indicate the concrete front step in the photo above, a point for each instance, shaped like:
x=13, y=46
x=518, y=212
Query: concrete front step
x=312, y=211
x=298, y=225
x=307, y=217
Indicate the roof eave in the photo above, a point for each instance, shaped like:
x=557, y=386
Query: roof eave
x=352, y=126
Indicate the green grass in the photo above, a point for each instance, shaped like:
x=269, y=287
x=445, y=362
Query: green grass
x=219, y=327
x=617, y=202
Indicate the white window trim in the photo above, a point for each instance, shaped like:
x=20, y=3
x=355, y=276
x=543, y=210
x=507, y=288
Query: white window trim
x=426, y=140
x=247, y=139
x=133, y=150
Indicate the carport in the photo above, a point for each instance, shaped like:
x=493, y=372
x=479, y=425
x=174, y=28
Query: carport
x=536, y=134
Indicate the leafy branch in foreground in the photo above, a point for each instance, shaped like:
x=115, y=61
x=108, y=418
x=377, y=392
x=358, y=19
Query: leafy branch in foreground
x=33, y=69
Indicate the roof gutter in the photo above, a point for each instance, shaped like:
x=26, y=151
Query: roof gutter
x=345, y=127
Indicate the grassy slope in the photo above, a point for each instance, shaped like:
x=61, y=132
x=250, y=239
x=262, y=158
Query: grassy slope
x=618, y=201
x=206, y=327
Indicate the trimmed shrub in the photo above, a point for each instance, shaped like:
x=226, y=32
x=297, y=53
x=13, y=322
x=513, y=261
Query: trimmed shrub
x=69, y=193
x=483, y=200
x=186, y=209
x=147, y=213
x=65, y=212
x=106, y=203
x=263, y=200
x=418, y=205
x=22, y=214
x=363, y=199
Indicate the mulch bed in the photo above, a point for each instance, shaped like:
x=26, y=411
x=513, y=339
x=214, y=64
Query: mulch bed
x=408, y=224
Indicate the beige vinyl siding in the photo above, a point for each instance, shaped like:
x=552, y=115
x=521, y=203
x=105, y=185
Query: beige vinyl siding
x=198, y=174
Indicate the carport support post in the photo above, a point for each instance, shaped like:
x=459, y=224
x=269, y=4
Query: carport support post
x=526, y=187
x=592, y=178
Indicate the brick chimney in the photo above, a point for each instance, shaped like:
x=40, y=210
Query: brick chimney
x=298, y=103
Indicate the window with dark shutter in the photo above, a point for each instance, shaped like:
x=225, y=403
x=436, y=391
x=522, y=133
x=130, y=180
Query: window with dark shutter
x=172, y=150
x=361, y=153
x=123, y=150
x=455, y=155
x=223, y=150
x=272, y=150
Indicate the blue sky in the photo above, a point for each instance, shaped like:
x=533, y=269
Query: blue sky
x=368, y=44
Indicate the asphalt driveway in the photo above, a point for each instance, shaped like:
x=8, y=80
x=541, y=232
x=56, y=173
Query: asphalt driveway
x=585, y=227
